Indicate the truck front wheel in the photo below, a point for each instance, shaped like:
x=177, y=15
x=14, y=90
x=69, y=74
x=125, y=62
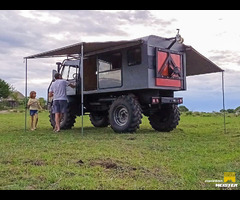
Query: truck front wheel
x=166, y=119
x=67, y=121
x=125, y=114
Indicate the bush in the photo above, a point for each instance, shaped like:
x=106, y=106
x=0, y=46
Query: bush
x=189, y=113
x=183, y=109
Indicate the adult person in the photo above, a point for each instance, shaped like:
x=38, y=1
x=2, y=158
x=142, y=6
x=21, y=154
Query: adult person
x=58, y=92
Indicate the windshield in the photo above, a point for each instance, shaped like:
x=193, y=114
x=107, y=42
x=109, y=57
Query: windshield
x=69, y=72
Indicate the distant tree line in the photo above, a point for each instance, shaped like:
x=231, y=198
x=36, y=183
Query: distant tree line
x=183, y=109
x=236, y=110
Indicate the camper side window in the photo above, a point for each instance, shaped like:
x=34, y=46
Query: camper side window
x=104, y=65
x=134, y=56
x=109, y=70
x=110, y=62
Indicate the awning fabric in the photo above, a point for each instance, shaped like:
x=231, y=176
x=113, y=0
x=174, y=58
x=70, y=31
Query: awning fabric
x=196, y=63
x=89, y=48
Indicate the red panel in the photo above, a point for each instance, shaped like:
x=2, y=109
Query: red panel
x=177, y=59
x=168, y=82
x=161, y=58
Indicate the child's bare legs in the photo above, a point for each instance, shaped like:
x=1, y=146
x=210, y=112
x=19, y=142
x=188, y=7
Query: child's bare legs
x=36, y=121
x=32, y=123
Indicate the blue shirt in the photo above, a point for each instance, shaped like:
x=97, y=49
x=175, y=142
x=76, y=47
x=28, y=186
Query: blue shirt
x=58, y=88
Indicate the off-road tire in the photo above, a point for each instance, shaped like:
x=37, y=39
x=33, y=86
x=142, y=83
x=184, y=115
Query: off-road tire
x=67, y=122
x=99, y=119
x=166, y=119
x=125, y=114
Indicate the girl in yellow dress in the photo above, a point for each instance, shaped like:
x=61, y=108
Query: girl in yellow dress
x=33, y=105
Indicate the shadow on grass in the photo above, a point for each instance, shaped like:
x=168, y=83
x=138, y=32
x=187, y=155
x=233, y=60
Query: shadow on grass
x=108, y=130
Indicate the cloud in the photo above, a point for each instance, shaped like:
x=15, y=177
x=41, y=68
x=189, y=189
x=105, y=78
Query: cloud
x=144, y=17
x=225, y=57
x=40, y=16
x=48, y=29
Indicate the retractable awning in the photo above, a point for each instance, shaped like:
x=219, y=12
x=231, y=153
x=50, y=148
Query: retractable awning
x=197, y=64
x=89, y=49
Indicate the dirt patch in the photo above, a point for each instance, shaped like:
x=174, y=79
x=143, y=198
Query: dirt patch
x=107, y=164
x=131, y=138
x=35, y=162
x=115, y=167
x=80, y=162
x=5, y=162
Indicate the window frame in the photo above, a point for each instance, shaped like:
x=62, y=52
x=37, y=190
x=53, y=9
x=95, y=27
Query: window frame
x=110, y=70
x=128, y=56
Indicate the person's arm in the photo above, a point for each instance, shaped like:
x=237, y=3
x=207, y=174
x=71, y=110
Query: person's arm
x=39, y=105
x=29, y=102
x=50, y=94
x=70, y=84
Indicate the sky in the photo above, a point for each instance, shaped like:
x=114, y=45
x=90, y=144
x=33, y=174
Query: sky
x=213, y=33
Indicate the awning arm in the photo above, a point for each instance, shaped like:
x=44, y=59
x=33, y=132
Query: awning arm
x=81, y=75
x=223, y=96
x=25, y=95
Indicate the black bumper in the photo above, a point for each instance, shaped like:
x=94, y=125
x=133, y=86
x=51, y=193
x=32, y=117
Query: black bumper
x=167, y=100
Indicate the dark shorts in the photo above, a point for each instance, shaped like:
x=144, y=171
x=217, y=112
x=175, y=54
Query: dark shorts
x=33, y=112
x=59, y=106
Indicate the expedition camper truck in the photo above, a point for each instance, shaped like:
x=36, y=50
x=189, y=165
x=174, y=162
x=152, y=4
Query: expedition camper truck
x=122, y=81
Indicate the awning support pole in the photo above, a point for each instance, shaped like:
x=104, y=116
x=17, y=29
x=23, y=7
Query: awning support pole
x=81, y=71
x=223, y=95
x=25, y=95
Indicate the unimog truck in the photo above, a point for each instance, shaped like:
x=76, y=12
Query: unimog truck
x=124, y=80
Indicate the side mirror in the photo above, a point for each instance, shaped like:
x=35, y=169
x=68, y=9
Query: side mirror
x=53, y=74
x=58, y=66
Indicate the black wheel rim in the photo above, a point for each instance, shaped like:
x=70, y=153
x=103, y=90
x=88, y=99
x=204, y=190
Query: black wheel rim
x=120, y=115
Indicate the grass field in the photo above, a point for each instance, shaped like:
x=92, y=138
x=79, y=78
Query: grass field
x=198, y=150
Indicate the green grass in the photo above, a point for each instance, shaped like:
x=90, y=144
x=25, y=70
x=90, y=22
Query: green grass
x=100, y=159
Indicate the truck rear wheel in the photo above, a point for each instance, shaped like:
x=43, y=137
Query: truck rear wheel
x=166, y=119
x=99, y=119
x=67, y=121
x=125, y=114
